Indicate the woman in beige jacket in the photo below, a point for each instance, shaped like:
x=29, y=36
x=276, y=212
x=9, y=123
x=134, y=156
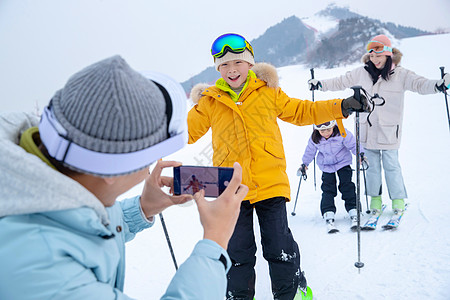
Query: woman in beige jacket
x=381, y=131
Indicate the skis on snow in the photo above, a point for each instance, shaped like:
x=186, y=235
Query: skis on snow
x=371, y=224
x=354, y=226
x=394, y=222
x=331, y=228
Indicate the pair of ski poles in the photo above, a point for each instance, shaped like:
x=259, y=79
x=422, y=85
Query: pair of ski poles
x=302, y=173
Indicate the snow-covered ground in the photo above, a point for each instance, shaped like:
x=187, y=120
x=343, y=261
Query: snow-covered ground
x=412, y=262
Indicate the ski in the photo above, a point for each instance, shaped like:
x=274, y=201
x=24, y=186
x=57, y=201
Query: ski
x=371, y=224
x=354, y=225
x=331, y=228
x=394, y=222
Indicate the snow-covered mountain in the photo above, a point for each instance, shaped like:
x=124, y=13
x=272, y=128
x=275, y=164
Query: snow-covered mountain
x=332, y=37
x=412, y=262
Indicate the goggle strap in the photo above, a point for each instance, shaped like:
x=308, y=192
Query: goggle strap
x=64, y=150
x=227, y=49
x=168, y=104
x=177, y=98
x=385, y=48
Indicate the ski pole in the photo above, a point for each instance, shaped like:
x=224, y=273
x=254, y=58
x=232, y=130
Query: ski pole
x=168, y=240
x=357, y=95
x=365, y=183
x=312, y=91
x=445, y=95
x=303, y=175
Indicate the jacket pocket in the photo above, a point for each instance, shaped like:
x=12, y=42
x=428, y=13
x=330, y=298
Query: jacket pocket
x=275, y=150
x=388, y=134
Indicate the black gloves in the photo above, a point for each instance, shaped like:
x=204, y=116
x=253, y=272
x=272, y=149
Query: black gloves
x=314, y=84
x=350, y=105
x=443, y=84
x=302, y=171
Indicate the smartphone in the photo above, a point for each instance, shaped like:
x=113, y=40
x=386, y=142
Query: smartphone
x=191, y=179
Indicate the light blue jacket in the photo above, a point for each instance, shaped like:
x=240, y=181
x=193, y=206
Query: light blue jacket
x=57, y=241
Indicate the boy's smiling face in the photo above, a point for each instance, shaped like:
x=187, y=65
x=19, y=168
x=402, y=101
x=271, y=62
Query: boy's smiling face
x=235, y=72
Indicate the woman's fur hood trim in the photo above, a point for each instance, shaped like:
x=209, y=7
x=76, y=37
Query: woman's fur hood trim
x=263, y=71
x=396, y=57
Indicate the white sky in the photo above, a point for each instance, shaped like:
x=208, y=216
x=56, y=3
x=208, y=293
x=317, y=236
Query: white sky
x=43, y=42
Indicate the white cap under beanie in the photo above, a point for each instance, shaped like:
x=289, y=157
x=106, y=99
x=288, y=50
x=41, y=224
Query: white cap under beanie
x=229, y=56
x=110, y=108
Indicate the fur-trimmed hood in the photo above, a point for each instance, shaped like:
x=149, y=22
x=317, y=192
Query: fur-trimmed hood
x=396, y=57
x=264, y=71
x=29, y=185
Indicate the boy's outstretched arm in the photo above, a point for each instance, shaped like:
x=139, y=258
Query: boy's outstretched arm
x=305, y=112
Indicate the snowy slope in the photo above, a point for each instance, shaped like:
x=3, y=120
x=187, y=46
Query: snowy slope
x=320, y=24
x=410, y=263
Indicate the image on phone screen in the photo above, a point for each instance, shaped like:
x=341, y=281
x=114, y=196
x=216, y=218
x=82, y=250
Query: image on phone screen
x=191, y=179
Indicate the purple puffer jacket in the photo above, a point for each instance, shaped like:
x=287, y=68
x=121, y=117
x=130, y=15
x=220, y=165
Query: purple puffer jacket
x=334, y=153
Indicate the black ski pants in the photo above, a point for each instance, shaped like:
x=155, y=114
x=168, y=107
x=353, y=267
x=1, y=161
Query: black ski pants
x=329, y=191
x=278, y=246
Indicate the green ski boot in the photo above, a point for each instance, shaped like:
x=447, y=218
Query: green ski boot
x=304, y=292
x=304, y=295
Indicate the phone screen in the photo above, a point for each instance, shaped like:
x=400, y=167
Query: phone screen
x=191, y=179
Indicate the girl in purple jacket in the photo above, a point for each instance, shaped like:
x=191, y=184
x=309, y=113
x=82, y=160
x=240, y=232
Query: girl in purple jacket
x=334, y=156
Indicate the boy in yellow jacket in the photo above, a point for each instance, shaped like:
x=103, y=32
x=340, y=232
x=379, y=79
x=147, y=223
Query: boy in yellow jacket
x=242, y=110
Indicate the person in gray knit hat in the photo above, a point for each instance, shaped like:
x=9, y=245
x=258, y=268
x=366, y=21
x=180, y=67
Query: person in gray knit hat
x=105, y=108
x=61, y=176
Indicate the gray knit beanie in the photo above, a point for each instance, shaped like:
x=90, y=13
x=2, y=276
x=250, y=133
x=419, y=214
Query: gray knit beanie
x=110, y=108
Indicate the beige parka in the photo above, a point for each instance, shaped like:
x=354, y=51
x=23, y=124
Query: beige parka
x=387, y=120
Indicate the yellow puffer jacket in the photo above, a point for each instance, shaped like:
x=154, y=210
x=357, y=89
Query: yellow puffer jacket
x=248, y=132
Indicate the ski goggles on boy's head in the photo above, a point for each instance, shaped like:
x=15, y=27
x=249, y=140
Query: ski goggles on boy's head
x=377, y=47
x=230, y=42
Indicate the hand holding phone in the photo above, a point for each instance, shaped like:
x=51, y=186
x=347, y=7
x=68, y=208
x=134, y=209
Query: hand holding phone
x=219, y=217
x=153, y=199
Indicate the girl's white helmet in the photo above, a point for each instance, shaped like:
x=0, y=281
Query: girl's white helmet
x=325, y=125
